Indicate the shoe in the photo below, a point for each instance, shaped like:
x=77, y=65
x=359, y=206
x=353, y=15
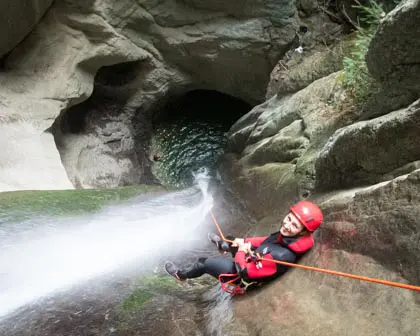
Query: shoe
x=215, y=239
x=221, y=245
x=172, y=270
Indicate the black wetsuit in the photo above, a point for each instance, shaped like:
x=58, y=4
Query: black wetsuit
x=274, y=247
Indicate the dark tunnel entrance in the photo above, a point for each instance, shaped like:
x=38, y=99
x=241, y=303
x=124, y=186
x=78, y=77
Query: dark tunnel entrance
x=189, y=134
x=209, y=106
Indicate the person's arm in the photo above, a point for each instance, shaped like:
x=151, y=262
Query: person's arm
x=255, y=241
x=250, y=270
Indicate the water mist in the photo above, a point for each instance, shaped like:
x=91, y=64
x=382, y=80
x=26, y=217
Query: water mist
x=39, y=257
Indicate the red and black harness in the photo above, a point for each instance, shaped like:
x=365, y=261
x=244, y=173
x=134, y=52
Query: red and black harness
x=253, y=271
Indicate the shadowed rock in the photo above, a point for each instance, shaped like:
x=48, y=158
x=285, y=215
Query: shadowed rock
x=369, y=151
x=17, y=19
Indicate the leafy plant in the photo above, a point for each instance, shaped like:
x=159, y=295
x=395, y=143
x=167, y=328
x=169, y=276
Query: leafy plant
x=357, y=78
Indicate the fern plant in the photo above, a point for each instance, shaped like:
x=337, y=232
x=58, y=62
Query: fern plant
x=356, y=74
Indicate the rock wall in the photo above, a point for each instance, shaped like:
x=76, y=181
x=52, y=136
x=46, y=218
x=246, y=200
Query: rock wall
x=273, y=149
x=308, y=140
x=302, y=142
x=372, y=231
x=399, y=65
x=17, y=19
x=371, y=151
x=173, y=46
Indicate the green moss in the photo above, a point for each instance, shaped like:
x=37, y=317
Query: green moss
x=147, y=287
x=159, y=283
x=22, y=204
x=340, y=77
x=136, y=300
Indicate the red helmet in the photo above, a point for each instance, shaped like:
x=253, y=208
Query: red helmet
x=308, y=213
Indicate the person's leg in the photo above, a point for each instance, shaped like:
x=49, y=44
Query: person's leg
x=195, y=271
x=213, y=266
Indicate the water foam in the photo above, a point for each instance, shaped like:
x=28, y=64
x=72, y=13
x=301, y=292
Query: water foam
x=39, y=259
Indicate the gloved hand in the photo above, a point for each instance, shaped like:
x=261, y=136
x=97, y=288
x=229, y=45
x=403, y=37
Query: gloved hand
x=245, y=247
x=253, y=257
x=242, y=246
x=238, y=242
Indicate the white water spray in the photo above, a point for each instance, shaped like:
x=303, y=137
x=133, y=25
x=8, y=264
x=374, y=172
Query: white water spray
x=37, y=260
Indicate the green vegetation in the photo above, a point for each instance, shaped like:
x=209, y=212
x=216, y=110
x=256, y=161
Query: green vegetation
x=159, y=283
x=136, y=300
x=147, y=288
x=19, y=205
x=357, y=78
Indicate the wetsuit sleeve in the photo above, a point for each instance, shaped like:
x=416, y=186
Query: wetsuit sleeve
x=264, y=269
x=240, y=260
x=255, y=241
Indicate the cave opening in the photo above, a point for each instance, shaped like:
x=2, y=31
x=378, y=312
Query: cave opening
x=189, y=134
x=208, y=106
x=105, y=141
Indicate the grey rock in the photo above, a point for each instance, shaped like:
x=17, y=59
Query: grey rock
x=368, y=151
x=296, y=71
x=394, y=53
x=17, y=19
x=307, y=6
x=274, y=147
x=286, y=146
x=372, y=231
x=165, y=48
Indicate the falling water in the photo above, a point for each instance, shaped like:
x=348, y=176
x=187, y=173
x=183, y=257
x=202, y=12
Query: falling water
x=218, y=311
x=40, y=258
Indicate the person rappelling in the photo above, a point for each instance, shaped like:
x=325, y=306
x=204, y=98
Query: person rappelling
x=253, y=259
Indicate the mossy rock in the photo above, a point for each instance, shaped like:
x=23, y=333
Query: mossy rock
x=150, y=286
x=160, y=300
x=135, y=300
x=146, y=288
x=160, y=283
x=18, y=205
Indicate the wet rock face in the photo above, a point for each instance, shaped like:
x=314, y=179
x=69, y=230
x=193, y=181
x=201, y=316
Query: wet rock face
x=380, y=221
x=114, y=308
x=273, y=148
x=370, y=230
x=104, y=144
x=12, y=24
x=297, y=70
x=370, y=151
x=374, y=232
x=166, y=48
x=394, y=54
x=363, y=153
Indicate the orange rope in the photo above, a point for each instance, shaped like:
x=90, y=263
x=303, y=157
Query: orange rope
x=218, y=228
x=322, y=270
